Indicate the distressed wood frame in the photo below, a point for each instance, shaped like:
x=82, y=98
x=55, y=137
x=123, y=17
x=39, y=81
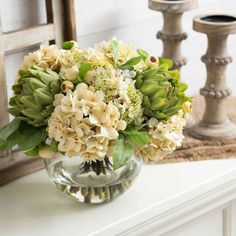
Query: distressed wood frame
x=60, y=26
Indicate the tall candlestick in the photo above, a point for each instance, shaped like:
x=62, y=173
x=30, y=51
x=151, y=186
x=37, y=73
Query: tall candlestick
x=215, y=123
x=172, y=33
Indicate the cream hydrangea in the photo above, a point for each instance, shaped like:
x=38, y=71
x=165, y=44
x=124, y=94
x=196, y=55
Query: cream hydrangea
x=95, y=57
x=83, y=124
x=129, y=100
x=166, y=137
x=46, y=57
x=118, y=86
x=125, y=51
x=105, y=80
x=69, y=60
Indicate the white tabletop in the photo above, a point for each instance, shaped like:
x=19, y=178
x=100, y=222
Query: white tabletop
x=32, y=206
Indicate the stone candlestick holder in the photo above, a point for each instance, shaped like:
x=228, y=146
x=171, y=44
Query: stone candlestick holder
x=172, y=33
x=215, y=123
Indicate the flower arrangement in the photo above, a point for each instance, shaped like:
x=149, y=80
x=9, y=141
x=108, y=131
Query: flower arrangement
x=102, y=104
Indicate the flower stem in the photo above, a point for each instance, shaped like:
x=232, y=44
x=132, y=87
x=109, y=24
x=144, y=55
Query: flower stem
x=103, y=193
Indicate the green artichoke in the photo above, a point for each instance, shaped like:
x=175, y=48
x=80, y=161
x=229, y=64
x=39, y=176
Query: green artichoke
x=163, y=92
x=34, y=95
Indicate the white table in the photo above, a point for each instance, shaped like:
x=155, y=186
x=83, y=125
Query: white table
x=182, y=199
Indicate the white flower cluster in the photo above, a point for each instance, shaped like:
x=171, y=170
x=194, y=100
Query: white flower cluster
x=126, y=51
x=166, y=137
x=99, y=98
x=83, y=124
x=46, y=57
x=118, y=86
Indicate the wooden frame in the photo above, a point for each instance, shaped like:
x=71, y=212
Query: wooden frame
x=60, y=26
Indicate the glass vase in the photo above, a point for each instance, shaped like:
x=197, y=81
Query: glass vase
x=91, y=181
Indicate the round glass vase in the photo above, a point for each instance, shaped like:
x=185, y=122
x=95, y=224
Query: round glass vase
x=91, y=181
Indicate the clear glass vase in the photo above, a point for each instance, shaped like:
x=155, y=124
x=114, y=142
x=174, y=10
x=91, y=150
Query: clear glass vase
x=91, y=181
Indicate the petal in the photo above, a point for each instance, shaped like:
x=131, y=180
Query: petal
x=93, y=119
x=121, y=125
x=58, y=98
x=79, y=132
x=100, y=96
x=109, y=132
x=104, y=118
x=70, y=143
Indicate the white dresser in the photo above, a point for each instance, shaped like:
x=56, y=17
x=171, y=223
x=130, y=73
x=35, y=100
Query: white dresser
x=185, y=199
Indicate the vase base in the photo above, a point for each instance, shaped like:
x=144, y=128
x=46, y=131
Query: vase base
x=94, y=195
x=87, y=186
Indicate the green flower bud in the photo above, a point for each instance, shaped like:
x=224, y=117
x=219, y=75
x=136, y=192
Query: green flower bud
x=35, y=90
x=46, y=152
x=163, y=93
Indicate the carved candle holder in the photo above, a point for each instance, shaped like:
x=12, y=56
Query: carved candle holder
x=215, y=123
x=172, y=33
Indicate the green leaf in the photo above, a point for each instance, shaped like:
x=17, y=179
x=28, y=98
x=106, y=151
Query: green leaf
x=24, y=73
x=139, y=138
x=36, y=83
x=55, y=87
x=17, y=88
x=149, y=73
x=67, y=45
x=182, y=87
x=33, y=152
x=9, y=129
x=127, y=67
x=142, y=53
x=9, y=143
x=132, y=62
x=83, y=70
x=167, y=62
x=54, y=145
x=29, y=101
x=122, y=152
x=160, y=115
x=115, y=48
x=173, y=74
x=13, y=111
x=32, y=113
x=138, y=81
x=158, y=103
x=136, y=127
x=29, y=137
x=43, y=97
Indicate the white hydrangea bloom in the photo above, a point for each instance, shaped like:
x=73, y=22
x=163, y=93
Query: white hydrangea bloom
x=69, y=60
x=125, y=51
x=84, y=124
x=118, y=86
x=166, y=137
x=46, y=57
